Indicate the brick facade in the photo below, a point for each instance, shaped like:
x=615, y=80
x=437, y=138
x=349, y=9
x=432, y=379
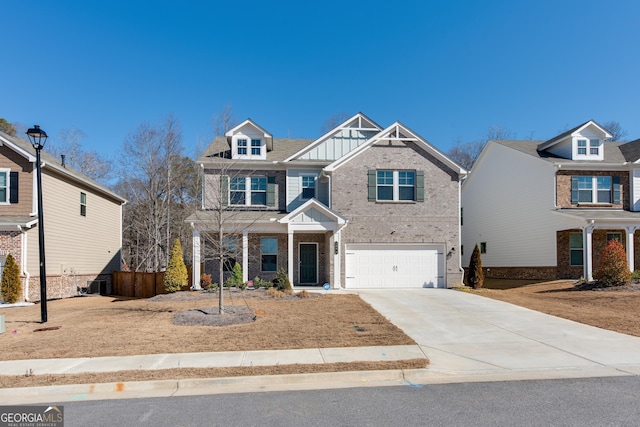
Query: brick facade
x=433, y=221
x=563, y=179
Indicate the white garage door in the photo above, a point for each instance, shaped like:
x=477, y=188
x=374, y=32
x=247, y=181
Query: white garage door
x=394, y=266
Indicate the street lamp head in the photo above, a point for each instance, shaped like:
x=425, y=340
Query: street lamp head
x=37, y=137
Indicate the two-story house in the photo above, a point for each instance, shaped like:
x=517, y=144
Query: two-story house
x=546, y=209
x=82, y=223
x=359, y=207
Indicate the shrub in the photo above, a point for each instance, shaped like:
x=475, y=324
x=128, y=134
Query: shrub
x=303, y=294
x=635, y=276
x=613, y=269
x=274, y=292
x=11, y=286
x=212, y=287
x=176, y=276
x=236, y=277
x=281, y=281
x=475, y=276
x=261, y=283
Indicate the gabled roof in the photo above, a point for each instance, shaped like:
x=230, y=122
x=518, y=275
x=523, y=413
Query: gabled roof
x=309, y=205
x=219, y=151
x=398, y=132
x=25, y=149
x=555, y=140
x=613, y=153
x=361, y=122
x=251, y=123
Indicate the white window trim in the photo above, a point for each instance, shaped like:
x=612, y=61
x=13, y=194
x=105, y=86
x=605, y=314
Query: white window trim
x=590, y=143
x=250, y=138
x=8, y=187
x=594, y=189
x=581, y=249
x=247, y=190
x=396, y=185
x=315, y=183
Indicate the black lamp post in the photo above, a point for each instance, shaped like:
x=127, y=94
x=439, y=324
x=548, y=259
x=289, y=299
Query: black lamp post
x=38, y=137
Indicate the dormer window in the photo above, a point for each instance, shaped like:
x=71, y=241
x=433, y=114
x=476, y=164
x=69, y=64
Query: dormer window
x=594, y=145
x=242, y=147
x=255, y=147
x=582, y=147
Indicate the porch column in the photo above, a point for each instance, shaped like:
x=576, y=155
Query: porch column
x=336, y=249
x=245, y=256
x=630, y=229
x=290, y=251
x=195, y=267
x=588, y=252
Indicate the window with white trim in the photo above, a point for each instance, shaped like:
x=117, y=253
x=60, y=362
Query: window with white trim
x=269, y=253
x=242, y=146
x=582, y=147
x=256, y=147
x=308, y=184
x=395, y=185
x=83, y=204
x=248, y=191
x=576, y=249
x=592, y=189
x=594, y=146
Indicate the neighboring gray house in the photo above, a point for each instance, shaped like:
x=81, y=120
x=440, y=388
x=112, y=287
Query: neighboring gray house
x=359, y=207
x=82, y=223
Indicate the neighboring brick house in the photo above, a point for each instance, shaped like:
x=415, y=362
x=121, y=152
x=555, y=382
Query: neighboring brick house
x=82, y=223
x=360, y=207
x=546, y=209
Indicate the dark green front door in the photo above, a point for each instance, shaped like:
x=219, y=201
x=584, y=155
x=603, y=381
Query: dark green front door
x=308, y=263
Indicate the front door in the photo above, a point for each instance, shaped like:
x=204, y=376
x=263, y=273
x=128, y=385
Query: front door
x=308, y=263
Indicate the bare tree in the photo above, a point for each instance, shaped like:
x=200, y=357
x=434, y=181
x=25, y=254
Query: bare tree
x=333, y=121
x=618, y=133
x=7, y=127
x=89, y=162
x=466, y=154
x=223, y=121
x=154, y=179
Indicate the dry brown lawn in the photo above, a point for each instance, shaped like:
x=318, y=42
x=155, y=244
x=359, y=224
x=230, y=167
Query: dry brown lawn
x=616, y=309
x=114, y=326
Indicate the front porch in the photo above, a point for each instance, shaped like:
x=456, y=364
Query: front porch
x=304, y=243
x=579, y=249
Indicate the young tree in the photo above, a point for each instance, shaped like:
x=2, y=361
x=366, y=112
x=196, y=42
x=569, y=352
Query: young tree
x=175, y=277
x=475, y=275
x=613, y=269
x=11, y=286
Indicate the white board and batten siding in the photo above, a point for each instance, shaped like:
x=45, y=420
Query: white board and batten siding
x=294, y=188
x=384, y=265
x=338, y=145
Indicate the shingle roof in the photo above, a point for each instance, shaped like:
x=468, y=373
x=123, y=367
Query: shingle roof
x=613, y=153
x=55, y=163
x=631, y=150
x=219, y=149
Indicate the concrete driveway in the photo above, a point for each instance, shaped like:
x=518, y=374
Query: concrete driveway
x=469, y=335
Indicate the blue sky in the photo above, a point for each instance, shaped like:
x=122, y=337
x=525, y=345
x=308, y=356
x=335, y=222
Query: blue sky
x=446, y=69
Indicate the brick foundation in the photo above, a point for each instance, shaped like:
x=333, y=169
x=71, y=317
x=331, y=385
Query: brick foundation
x=517, y=273
x=66, y=286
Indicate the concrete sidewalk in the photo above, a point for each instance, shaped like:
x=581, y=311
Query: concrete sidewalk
x=466, y=337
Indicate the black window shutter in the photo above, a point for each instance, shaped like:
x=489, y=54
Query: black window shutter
x=371, y=174
x=271, y=191
x=574, y=190
x=13, y=187
x=616, y=190
x=225, y=190
x=419, y=186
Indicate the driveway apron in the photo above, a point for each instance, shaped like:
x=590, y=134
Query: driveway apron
x=465, y=334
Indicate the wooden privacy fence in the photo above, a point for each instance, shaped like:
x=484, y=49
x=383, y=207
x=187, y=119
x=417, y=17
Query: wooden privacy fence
x=141, y=285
